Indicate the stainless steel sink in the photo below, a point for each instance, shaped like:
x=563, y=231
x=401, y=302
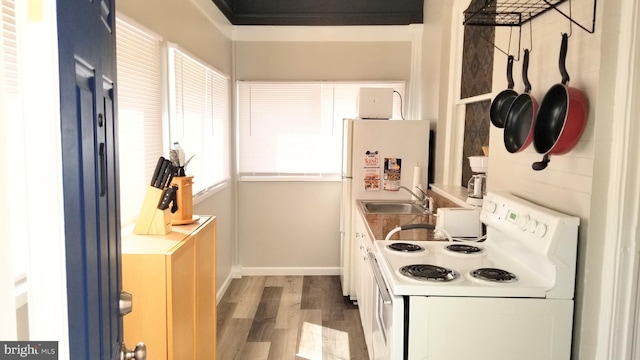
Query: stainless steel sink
x=379, y=207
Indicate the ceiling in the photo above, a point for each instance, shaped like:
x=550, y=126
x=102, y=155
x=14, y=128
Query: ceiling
x=322, y=12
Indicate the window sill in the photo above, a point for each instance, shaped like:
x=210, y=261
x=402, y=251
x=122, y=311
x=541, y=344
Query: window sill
x=201, y=196
x=289, y=178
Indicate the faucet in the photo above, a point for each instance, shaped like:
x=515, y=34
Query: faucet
x=427, y=201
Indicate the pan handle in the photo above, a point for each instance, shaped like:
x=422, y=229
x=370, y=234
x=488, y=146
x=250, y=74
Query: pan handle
x=563, y=58
x=510, y=82
x=541, y=165
x=525, y=72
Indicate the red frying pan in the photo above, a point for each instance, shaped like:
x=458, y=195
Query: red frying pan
x=518, y=127
x=561, y=118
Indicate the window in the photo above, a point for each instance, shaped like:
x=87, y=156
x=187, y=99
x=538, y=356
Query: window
x=199, y=118
x=294, y=129
x=140, y=133
x=198, y=98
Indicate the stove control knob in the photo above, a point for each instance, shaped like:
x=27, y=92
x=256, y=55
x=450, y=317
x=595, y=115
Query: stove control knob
x=541, y=230
x=532, y=225
x=523, y=221
x=490, y=206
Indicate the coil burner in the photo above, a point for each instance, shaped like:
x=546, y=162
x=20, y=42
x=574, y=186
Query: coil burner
x=405, y=247
x=464, y=249
x=428, y=272
x=494, y=275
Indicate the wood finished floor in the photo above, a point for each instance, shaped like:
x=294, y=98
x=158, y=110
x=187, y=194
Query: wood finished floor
x=288, y=318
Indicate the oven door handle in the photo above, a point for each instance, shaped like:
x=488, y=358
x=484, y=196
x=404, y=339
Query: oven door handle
x=382, y=286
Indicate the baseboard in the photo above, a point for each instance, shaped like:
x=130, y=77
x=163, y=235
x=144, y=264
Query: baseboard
x=238, y=272
x=223, y=289
x=277, y=271
x=235, y=273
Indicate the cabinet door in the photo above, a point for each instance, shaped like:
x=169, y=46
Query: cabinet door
x=181, y=298
x=144, y=276
x=370, y=291
x=206, y=291
x=365, y=298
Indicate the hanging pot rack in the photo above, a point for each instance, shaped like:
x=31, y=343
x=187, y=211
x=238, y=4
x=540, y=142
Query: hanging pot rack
x=516, y=12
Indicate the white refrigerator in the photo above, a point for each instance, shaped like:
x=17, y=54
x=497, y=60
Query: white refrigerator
x=377, y=157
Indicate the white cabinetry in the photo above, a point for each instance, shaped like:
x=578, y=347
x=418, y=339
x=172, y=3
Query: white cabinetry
x=364, y=280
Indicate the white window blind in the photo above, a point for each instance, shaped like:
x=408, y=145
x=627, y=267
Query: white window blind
x=199, y=101
x=139, y=113
x=294, y=129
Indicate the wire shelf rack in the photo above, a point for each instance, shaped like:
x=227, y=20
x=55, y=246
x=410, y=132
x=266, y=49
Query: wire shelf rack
x=514, y=12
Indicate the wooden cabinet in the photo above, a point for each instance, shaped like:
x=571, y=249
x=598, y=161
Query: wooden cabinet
x=172, y=280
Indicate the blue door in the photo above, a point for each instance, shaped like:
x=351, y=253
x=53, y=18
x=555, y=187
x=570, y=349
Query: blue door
x=86, y=37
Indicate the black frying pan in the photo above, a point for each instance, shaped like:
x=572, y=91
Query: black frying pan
x=502, y=101
x=518, y=127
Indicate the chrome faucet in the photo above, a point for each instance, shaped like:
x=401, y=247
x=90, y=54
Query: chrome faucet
x=427, y=201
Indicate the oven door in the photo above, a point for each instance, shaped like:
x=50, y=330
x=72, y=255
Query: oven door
x=389, y=319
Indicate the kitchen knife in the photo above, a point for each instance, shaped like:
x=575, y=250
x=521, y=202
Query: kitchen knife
x=165, y=175
x=168, y=196
x=172, y=172
x=156, y=172
x=159, y=179
x=174, y=207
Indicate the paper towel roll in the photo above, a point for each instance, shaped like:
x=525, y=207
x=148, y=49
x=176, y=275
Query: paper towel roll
x=418, y=181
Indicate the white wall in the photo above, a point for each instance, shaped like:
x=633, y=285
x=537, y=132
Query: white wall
x=289, y=227
x=437, y=83
x=326, y=60
x=222, y=205
x=190, y=23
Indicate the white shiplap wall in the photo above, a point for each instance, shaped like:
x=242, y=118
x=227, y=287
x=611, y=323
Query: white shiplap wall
x=566, y=184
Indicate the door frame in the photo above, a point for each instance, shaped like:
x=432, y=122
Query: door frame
x=47, y=289
x=620, y=309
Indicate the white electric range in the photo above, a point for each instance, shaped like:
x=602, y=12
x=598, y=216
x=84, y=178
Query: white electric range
x=507, y=297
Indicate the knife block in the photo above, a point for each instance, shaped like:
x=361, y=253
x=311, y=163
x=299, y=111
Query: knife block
x=184, y=197
x=151, y=220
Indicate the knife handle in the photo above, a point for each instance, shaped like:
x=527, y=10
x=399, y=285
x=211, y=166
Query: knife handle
x=156, y=172
x=174, y=207
x=166, y=198
x=172, y=172
x=165, y=175
x=159, y=183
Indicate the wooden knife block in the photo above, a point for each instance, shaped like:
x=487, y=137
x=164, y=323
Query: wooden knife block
x=151, y=220
x=184, y=196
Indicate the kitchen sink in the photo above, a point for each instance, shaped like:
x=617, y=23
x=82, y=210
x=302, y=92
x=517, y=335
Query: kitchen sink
x=379, y=207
